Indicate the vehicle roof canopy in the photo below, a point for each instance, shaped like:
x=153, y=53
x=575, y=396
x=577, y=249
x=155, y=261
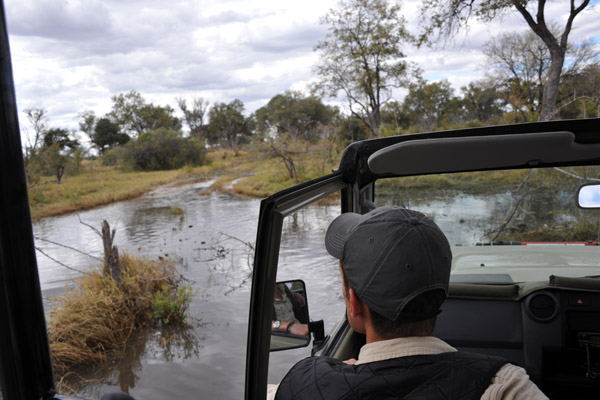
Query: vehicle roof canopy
x=539, y=144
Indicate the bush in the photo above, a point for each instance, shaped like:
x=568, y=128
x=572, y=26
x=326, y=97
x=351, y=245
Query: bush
x=92, y=322
x=169, y=305
x=163, y=149
x=112, y=156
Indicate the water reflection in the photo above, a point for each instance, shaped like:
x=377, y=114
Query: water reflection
x=467, y=219
x=210, y=241
x=214, y=239
x=167, y=343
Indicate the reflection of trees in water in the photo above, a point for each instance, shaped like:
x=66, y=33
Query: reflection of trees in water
x=167, y=342
x=540, y=204
x=546, y=209
x=147, y=221
x=229, y=261
x=300, y=225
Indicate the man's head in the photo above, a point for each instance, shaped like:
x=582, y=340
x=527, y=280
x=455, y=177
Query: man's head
x=397, y=262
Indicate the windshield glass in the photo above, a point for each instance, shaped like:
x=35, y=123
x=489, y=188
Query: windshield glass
x=507, y=226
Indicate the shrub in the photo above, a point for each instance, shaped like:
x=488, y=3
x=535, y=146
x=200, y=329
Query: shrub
x=112, y=156
x=163, y=149
x=92, y=322
x=169, y=305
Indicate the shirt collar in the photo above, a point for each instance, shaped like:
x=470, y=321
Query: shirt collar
x=402, y=347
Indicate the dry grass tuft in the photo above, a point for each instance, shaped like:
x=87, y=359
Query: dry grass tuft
x=92, y=322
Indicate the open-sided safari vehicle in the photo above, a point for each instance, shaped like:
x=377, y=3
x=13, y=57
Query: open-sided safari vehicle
x=528, y=291
x=519, y=206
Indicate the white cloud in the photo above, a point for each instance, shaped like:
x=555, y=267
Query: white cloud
x=73, y=55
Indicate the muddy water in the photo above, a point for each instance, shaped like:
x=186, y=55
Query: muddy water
x=210, y=241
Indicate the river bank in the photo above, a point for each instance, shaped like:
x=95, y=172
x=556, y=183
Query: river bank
x=251, y=172
x=254, y=172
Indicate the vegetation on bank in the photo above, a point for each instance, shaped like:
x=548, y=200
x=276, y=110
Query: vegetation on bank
x=254, y=171
x=92, y=322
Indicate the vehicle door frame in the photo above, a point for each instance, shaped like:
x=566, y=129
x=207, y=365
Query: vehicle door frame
x=273, y=210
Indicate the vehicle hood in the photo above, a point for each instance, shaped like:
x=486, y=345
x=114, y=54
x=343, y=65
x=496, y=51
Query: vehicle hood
x=529, y=263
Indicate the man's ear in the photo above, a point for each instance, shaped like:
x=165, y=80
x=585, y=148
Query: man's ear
x=356, y=305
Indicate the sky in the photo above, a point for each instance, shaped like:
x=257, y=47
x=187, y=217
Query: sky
x=71, y=56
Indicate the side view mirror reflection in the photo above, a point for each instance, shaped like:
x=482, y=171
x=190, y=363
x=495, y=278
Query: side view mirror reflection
x=588, y=196
x=289, y=325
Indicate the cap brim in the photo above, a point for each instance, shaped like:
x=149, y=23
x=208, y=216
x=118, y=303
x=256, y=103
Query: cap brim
x=338, y=232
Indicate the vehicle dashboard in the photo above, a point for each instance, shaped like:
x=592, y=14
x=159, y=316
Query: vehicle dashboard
x=554, y=333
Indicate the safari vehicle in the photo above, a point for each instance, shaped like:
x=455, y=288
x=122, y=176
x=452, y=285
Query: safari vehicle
x=534, y=300
x=529, y=293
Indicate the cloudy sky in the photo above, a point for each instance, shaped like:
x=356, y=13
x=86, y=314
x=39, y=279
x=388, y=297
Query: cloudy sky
x=72, y=55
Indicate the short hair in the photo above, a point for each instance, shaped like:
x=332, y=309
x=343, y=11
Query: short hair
x=424, y=303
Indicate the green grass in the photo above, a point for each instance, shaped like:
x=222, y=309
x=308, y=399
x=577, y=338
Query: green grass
x=257, y=172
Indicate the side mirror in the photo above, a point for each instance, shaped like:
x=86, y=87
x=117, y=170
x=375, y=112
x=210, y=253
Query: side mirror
x=588, y=196
x=289, y=325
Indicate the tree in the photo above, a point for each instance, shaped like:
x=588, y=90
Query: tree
x=57, y=147
x=107, y=135
x=38, y=118
x=194, y=117
x=135, y=116
x=394, y=117
x=579, y=93
x=228, y=125
x=520, y=65
x=293, y=114
x=431, y=104
x=61, y=137
x=87, y=122
x=481, y=102
x=362, y=56
x=352, y=129
x=447, y=17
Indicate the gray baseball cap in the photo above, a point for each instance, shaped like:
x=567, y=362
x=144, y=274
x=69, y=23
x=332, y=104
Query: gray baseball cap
x=389, y=256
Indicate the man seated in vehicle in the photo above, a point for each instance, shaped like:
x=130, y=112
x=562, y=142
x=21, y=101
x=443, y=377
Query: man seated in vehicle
x=395, y=265
x=289, y=312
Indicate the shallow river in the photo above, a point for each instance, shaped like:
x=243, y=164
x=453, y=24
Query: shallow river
x=207, y=360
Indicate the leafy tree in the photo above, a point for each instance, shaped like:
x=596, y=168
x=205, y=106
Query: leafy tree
x=447, y=17
x=61, y=137
x=228, y=125
x=194, y=116
x=107, y=134
x=431, y=104
x=394, y=117
x=352, y=129
x=135, y=116
x=362, y=56
x=293, y=114
x=58, y=146
x=481, y=102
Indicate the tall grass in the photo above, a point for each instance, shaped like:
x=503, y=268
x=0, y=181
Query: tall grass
x=93, y=187
x=92, y=322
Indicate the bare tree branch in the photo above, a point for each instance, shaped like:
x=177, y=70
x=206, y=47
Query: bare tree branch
x=60, y=263
x=68, y=247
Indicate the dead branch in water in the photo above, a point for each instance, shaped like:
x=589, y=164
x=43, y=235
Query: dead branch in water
x=111, y=253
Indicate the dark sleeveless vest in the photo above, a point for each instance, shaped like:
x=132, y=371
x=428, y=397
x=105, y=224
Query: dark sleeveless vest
x=454, y=375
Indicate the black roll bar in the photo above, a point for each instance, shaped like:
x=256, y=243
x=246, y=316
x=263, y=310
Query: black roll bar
x=25, y=365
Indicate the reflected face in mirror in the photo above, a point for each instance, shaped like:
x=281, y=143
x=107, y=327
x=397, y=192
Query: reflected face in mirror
x=289, y=325
x=589, y=196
